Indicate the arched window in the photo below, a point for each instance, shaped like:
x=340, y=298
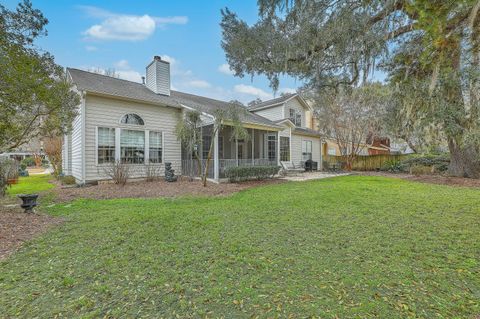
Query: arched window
x=133, y=119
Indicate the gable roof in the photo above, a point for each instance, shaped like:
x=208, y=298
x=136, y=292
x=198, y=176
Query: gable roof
x=110, y=86
x=278, y=101
x=272, y=102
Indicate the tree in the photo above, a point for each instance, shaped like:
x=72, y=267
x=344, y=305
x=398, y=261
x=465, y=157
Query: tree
x=332, y=43
x=351, y=116
x=35, y=95
x=189, y=132
x=254, y=102
x=53, y=149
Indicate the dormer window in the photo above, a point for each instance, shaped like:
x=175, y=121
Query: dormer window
x=296, y=117
x=132, y=119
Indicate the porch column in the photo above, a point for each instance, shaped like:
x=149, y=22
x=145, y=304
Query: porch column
x=253, y=146
x=278, y=148
x=236, y=149
x=216, y=159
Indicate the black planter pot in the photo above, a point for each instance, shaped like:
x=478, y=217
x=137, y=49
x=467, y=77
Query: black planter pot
x=29, y=202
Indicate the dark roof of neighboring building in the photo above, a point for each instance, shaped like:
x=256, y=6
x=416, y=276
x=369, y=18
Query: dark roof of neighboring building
x=102, y=84
x=275, y=101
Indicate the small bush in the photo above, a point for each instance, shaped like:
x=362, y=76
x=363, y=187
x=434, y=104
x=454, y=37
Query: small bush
x=68, y=180
x=418, y=170
x=393, y=166
x=8, y=170
x=118, y=172
x=28, y=161
x=152, y=172
x=438, y=162
x=243, y=173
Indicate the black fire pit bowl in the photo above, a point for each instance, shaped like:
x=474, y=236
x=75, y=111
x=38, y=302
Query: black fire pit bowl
x=29, y=202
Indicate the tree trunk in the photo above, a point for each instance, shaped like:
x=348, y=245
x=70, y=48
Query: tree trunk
x=464, y=162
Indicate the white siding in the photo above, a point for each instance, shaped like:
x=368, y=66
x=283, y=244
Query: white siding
x=77, y=147
x=106, y=112
x=67, y=154
x=297, y=148
x=158, y=77
x=297, y=106
x=273, y=114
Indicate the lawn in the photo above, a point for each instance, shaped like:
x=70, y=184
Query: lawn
x=31, y=184
x=348, y=247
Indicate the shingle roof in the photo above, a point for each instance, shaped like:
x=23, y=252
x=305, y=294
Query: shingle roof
x=101, y=84
x=302, y=130
x=275, y=101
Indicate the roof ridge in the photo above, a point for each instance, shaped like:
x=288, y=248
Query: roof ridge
x=106, y=76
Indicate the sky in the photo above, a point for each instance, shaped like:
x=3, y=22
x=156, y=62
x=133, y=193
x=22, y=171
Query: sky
x=125, y=35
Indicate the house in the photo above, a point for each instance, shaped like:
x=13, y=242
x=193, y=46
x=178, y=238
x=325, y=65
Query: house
x=134, y=123
x=299, y=141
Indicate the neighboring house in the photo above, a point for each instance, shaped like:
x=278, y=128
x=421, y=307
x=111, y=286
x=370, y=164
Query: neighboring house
x=134, y=123
x=31, y=149
x=299, y=141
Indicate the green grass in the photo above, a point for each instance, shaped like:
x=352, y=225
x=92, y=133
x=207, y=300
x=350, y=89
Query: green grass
x=348, y=247
x=31, y=184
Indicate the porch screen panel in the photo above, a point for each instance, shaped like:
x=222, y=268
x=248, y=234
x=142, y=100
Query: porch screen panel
x=284, y=149
x=156, y=147
x=272, y=147
x=307, y=150
x=106, y=145
x=132, y=147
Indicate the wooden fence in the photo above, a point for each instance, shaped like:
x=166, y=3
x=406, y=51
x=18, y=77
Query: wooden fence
x=361, y=163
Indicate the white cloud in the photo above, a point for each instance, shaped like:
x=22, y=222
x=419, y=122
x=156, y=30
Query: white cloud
x=122, y=64
x=91, y=48
x=253, y=91
x=287, y=90
x=199, y=84
x=130, y=75
x=225, y=69
x=126, y=27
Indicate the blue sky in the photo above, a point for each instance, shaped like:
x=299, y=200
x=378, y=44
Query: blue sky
x=125, y=35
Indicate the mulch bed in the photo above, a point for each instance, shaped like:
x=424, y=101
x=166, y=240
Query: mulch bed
x=431, y=179
x=16, y=227
x=160, y=188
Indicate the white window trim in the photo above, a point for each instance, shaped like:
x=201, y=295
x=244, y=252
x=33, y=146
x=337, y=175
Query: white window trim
x=118, y=131
x=133, y=125
x=147, y=149
x=131, y=128
x=96, y=145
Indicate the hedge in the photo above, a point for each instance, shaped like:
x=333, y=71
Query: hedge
x=243, y=173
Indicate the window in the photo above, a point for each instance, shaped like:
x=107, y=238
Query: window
x=284, y=149
x=307, y=150
x=155, y=152
x=106, y=145
x=296, y=117
x=206, y=140
x=132, y=147
x=332, y=150
x=132, y=119
x=272, y=147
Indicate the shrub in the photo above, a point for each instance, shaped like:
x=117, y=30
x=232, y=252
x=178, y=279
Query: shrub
x=68, y=180
x=152, y=172
x=418, y=170
x=118, y=172
x=393, y=166
x=28, y=161
x=8, y=170
x=439, y=163
x=243, y=173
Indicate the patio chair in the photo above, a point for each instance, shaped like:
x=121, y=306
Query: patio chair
x=289, y=168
